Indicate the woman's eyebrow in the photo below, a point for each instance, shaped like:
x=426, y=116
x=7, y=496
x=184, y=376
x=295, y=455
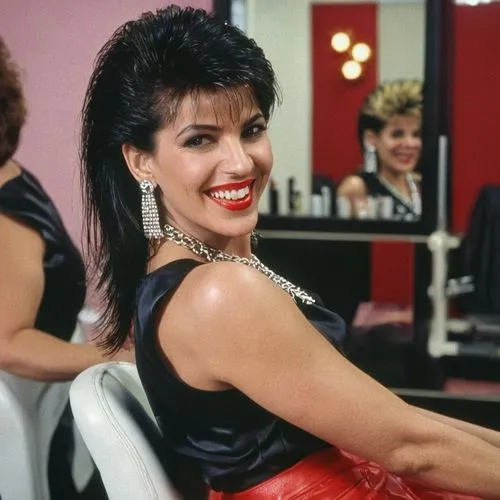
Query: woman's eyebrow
x=198, y=127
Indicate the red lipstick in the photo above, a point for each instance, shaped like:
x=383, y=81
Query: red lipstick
x=232, y=185
x=230, y=204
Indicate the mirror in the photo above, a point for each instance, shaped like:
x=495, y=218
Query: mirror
x=315, y=131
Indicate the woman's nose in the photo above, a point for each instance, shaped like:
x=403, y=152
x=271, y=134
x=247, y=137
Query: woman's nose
x=235, y=158
x=413, y=142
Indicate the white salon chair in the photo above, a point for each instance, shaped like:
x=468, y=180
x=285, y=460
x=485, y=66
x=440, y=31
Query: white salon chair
x=29, y=414
x=117, y=424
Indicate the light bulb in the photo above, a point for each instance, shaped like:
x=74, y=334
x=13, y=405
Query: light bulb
x=361, y=52
x=351, y=70
x=340, y=42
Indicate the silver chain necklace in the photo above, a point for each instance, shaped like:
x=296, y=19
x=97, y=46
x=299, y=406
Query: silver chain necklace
x=415, y=201
x=211, y=254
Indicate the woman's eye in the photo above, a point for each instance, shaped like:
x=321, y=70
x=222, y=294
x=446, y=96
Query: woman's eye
x=254, y=131
x=398, y=133
x=197, y=141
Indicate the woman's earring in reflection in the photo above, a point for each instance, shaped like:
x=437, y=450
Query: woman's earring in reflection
x=150, y=217
x=370, y=158
x=254, y=239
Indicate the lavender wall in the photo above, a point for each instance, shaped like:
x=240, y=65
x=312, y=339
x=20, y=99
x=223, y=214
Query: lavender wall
x=55, y=42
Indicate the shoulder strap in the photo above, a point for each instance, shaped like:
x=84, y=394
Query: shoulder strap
x=155, y=287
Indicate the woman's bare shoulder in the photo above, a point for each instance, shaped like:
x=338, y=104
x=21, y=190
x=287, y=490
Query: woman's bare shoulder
x=19, y=238
x=9, y=171
x=217, y=310
x=218, y=301
x=352, y=185
x=222, y=288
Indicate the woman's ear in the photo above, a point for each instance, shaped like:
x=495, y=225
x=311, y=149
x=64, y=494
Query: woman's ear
x=369, y=137
x=138, y=162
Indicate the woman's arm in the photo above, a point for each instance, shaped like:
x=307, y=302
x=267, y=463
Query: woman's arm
x=354, y=189
x=230, y=326
x=488, y=435
x=25, y=351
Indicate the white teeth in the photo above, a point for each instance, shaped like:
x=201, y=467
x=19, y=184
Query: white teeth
x=234, y=194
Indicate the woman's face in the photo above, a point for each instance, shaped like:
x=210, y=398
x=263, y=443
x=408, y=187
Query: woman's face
x=399, y=144
x=213, y=163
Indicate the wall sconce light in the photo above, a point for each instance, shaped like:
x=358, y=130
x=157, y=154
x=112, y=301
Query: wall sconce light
x=340, y=42
x=360, y=52
x=351, y=70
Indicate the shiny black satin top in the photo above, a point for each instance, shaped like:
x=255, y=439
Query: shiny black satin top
x=236, y=442
x=24, y=199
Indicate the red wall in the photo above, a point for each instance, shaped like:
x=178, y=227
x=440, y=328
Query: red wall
x=475, y=125
x=336, y=150
x=336, y=101
x=392, y=272
x=475, y=130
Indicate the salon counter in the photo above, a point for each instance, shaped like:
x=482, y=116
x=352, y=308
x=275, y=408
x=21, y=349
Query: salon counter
x=332, y=229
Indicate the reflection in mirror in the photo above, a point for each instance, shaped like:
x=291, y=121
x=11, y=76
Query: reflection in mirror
x=389, y=134
x=329, y=57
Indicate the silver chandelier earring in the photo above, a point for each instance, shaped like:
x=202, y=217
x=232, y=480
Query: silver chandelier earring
x=254, y=239
x=150, y=217
x=370, y=158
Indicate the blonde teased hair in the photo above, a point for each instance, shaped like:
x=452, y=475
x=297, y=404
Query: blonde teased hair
x=399, y=97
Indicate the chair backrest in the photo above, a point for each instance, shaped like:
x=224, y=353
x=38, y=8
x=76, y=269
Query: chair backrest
x=480, y=254
x=117, y=424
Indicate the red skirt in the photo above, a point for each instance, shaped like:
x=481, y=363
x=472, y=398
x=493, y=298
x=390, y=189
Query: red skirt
x=335, y=475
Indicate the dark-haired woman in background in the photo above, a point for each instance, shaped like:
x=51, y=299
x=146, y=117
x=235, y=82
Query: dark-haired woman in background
x=42, y=277
x=389, y=131
x=242, y=367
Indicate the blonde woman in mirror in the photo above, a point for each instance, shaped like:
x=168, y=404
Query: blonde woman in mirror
x=389, y=131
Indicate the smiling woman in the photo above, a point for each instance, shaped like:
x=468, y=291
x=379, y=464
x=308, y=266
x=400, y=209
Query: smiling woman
x=210, y=165
x=243, y=369
x=389, y=132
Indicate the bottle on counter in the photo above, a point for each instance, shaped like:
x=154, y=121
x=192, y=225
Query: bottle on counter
x=273, y=198
x=316, y=205
x=326, y=196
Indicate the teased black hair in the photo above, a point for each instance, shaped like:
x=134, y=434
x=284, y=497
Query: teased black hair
x=139, y=79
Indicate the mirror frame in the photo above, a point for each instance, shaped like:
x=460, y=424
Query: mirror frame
x=435, y=124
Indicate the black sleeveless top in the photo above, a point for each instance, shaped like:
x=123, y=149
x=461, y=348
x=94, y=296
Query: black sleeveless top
x=23, y=199
x=235, y=442
x=402, y=210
